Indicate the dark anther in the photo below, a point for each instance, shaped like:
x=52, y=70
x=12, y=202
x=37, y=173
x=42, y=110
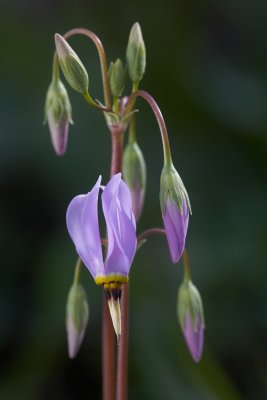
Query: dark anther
x=116, y=293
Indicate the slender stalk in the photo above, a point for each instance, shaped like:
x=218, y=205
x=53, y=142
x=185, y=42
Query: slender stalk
x=77, y=272
x=151, y=232
x=162, y=126
x=102, y=56
x=187, y=275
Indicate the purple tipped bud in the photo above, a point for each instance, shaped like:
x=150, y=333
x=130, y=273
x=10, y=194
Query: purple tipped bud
x=58, y=115
x=77, y=318
x=134, y=174
x=191, y=318
x=72, y=67
x=175, y=208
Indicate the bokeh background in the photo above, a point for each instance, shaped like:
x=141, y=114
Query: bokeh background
x=207, y=68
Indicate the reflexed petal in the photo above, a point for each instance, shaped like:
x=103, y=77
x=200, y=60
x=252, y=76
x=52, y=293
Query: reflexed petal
x=126, y=221
x=176, y=224
x=82, y=224
x=194, y=337
x=117, y=208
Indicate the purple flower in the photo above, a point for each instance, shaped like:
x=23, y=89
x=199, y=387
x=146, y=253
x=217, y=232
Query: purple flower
x=194, y=336
x=175, y=208
x=191, y=317
x=83, y=227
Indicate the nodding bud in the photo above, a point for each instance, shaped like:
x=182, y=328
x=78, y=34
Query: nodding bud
x=116, y=76
x=134, y=174
x=136, y=54
x=58, y=115
x=72, y=67
x=191, y=318
x=175, y=208
x=76, y=318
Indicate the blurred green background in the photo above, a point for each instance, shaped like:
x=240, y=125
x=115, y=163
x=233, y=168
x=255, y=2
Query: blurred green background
x=207, y=69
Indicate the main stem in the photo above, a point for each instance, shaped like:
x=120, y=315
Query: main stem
x=108, y=335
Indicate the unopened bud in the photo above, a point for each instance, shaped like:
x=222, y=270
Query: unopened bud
x=116, y=76
x=58, y=115
x=77, y=318
x=72, y=67
x=175, y=208
x=136, y=54
x=191, y=318
x=134, y=174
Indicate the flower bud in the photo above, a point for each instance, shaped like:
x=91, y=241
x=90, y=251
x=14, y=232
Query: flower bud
x=175, y=208
x=77, y=318
x=58, y=115
x=134, y=174
x=136, y=54
x=116, y=76
x=72, y=67
x=191, y=318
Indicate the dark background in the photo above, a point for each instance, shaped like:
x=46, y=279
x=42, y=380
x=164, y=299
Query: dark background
x=207, y=68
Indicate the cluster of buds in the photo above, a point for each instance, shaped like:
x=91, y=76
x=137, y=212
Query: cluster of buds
x=123, y=196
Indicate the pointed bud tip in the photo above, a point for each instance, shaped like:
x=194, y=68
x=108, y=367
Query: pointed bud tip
x=62, y=46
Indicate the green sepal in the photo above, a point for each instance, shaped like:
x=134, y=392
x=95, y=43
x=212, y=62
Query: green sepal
x=172, y=188
x=75, y=73
x=77, y=307
x=57, y=100
x=189, y=302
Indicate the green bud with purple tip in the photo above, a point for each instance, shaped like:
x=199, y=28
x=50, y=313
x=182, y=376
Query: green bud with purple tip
x=191, y=318
x=58, y=115
x=77, y=316
x=175, y=208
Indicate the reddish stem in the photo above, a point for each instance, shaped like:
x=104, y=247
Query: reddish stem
x=122, y=363
x=108, y=334
x=151, y=232
x=108, y=354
